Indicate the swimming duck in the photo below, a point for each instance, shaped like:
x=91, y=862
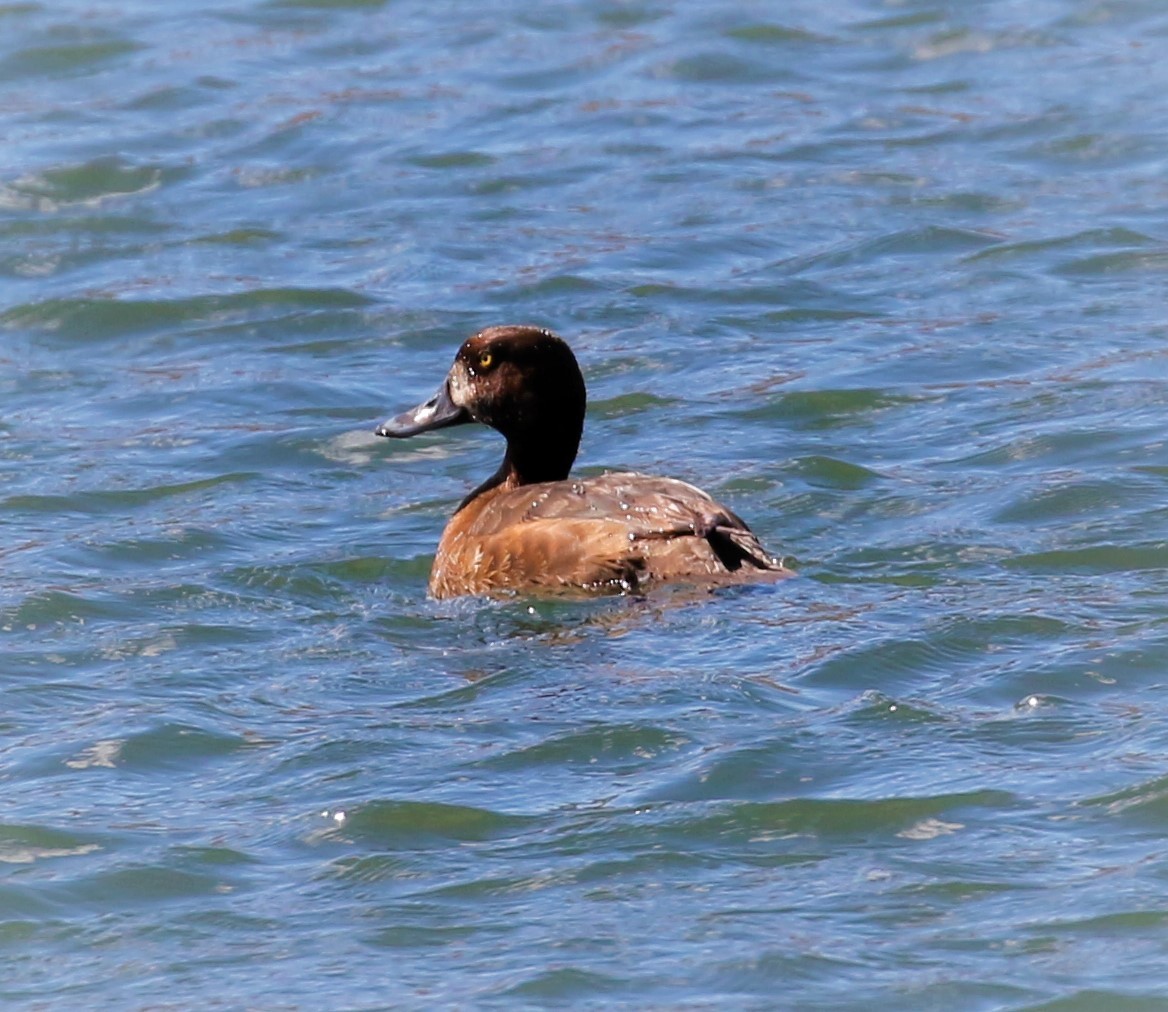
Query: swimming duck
x=529, y=527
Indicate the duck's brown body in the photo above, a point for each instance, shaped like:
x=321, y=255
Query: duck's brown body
x=529, y=527
x=618, y=531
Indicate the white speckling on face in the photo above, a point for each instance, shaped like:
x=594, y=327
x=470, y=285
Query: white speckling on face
x=459, y=385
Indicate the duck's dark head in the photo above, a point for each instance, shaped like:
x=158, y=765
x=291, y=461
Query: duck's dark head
x=523, y=382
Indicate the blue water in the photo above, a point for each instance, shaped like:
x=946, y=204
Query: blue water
x=886, y=277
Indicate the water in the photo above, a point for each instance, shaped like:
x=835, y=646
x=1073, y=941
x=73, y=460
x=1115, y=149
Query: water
x=887, y=277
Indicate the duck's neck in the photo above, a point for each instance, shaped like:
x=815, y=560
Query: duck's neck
x=544, y=457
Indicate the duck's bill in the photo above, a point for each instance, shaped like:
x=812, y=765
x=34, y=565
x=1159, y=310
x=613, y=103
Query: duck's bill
x=436, y=413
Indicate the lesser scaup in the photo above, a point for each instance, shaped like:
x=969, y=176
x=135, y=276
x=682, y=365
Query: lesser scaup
x=529, y=527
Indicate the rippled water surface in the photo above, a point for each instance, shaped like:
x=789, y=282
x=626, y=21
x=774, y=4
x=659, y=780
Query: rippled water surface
x=888, y=277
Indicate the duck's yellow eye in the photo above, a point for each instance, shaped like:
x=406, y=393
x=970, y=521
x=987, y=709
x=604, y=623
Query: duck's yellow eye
x=486, y=360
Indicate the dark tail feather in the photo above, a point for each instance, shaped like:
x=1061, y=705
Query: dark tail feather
x=737, y=547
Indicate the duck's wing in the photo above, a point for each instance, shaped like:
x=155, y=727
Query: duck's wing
x=617, y=530
x=657, y=509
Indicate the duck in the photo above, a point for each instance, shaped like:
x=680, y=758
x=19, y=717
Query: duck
x=531, y=527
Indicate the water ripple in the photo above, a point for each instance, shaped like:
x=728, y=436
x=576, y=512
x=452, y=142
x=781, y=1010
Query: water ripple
x=882, y=279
